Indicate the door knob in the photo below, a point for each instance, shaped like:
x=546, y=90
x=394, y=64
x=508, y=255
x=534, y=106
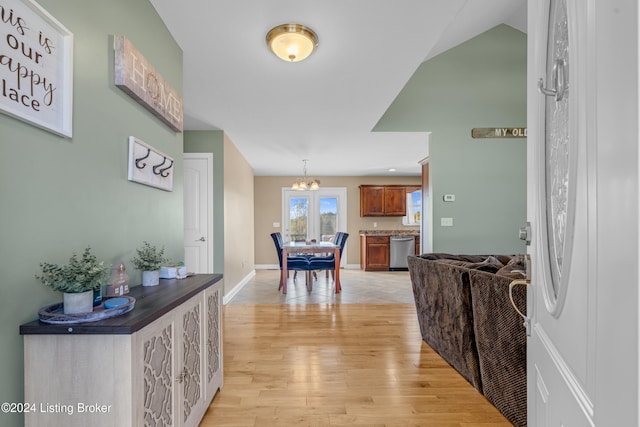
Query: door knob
x=202, y=239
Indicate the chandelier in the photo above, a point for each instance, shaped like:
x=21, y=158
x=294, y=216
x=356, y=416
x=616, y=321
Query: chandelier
x=305, y=183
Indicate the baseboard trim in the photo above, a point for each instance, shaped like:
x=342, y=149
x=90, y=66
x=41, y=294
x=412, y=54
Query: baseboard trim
x=237, y=288
x=277, y=267
x=267, y=267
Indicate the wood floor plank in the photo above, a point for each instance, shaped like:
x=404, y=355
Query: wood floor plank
x=338, y=365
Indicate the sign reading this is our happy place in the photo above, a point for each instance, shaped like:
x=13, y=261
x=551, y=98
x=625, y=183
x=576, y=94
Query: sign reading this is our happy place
x=36, y=66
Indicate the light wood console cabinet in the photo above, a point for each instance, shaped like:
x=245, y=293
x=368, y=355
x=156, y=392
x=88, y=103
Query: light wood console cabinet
x=158, y=365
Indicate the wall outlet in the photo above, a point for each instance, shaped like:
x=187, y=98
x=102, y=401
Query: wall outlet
x=449, y=197
x=375, y=224
x=276, y=225
x=446, y=222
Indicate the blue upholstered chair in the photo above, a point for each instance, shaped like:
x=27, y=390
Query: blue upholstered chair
x=294, y=263
x=328, y=262
x=336, y=240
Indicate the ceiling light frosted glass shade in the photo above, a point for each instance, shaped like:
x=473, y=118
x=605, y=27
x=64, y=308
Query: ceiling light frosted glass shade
x=292, y=42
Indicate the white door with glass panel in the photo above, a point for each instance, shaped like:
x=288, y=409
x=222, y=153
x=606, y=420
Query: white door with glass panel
x=571, y=359
x=560, y=338
x=317, y=214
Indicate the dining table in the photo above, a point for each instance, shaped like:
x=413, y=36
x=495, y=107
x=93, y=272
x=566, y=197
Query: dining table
x=292, y=248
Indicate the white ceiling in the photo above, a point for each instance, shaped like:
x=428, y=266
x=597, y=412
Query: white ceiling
x=321, y=109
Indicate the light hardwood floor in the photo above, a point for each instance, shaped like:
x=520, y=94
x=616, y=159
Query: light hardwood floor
x=341, y=362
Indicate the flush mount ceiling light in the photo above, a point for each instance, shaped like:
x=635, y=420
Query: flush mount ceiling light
x=305, y=183
x=292, y=42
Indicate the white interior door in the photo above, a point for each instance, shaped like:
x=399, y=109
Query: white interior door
x=570, y=369
x=198, y=212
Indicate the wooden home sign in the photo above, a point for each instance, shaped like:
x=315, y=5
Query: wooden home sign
x=499, y=132
x=137, y=77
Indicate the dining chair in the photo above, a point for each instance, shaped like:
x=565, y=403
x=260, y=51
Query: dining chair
x=336, y=240
x=294, y=263
x=328, y=262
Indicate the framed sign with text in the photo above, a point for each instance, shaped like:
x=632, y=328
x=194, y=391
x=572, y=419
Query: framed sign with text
x=36, y=67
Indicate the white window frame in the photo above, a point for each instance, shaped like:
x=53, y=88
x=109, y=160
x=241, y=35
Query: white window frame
x=314, y=200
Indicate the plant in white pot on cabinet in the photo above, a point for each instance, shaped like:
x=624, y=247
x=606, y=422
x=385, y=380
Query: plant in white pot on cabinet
x=77, y=280
x=149, y=260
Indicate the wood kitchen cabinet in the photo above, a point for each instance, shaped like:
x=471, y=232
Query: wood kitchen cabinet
x=159, y=364
x=383, y=200
x=374, y=253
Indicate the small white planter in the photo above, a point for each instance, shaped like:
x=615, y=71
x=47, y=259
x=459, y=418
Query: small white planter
x=150, y=278
x=81, y=302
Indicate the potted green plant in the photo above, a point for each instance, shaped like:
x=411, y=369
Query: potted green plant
x=149, y=259
x=77, y=280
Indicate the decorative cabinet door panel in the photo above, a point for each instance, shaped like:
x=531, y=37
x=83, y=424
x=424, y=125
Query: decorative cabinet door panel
x=170, y=358
x=155, y=363
x=213, y=341
x=191, y=351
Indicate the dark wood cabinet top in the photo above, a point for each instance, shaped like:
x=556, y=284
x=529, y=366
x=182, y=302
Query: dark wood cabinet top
x=152, y=302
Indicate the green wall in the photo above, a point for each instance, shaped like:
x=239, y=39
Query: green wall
x=60, y=195
x=212, y=142
x=478, y=84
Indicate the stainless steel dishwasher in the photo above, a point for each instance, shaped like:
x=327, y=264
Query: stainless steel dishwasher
x=401, y=248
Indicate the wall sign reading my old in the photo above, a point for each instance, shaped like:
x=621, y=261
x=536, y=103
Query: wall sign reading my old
x=499, y=133
x=36, y=66
x=137, y=77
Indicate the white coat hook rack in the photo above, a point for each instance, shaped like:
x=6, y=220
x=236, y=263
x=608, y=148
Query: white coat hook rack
x=149, y=166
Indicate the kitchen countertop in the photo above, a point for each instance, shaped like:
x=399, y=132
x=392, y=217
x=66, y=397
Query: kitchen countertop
x=405, y=232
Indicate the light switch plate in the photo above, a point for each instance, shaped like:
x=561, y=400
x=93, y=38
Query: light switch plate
x=276, y=225
x=446, y=222
x=449, y=197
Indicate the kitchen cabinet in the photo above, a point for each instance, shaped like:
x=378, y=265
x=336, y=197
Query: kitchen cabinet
x=374, y=253
x=371, y=200
x=159, y=364
x=383, y=200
